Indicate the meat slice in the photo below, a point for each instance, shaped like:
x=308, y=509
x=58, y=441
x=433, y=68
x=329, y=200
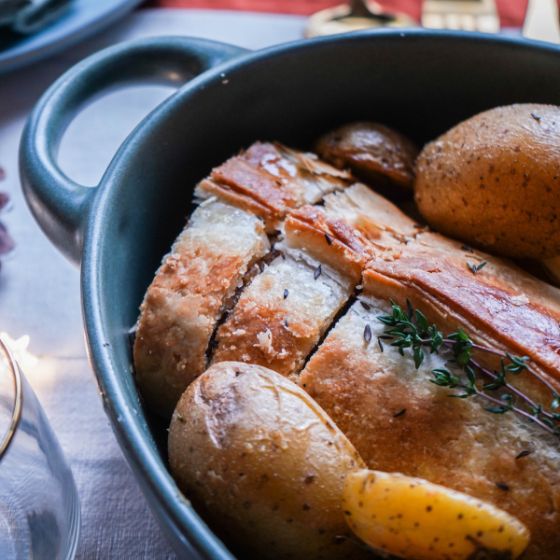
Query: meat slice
x=270, y=179
x=400, y=422
x=207, y=263
x=353, y=227
x=283, y=313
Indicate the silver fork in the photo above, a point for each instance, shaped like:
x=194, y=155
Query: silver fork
x=466, y=15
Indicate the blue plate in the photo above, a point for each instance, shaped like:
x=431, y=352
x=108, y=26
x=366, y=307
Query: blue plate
x=82, y=19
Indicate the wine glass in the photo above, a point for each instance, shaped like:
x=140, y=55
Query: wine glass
x=39, y=508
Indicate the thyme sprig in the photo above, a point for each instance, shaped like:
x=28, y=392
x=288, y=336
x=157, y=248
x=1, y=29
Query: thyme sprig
x=411, y=331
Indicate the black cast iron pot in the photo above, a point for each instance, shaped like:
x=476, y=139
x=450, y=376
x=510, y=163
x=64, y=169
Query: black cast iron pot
x=420, y=82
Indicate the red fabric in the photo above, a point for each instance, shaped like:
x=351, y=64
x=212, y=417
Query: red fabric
x=512, y=12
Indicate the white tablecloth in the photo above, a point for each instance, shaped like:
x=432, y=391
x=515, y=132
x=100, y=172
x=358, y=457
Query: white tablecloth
x=39, y=290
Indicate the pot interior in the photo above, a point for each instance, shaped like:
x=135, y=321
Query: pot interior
x=421, y=83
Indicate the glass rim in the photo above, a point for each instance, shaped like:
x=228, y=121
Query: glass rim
x=14, y=371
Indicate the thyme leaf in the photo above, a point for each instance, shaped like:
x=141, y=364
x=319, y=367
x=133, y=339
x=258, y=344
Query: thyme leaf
x=412, y=334
x=474, y=268
x=367, y=334
x=524, y=453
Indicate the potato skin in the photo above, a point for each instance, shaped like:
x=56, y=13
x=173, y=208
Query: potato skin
x=494, y=181
x=264, y=464
x=374, y=152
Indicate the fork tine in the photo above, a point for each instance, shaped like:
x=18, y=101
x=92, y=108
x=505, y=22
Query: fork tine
x=487, y=24
x=467, y=15
x=453, y=21
x=468, y=23
x=433, y=21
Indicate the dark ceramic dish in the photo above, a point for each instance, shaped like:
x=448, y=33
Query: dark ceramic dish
x=418, y=81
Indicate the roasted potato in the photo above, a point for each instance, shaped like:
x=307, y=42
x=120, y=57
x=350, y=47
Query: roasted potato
x=375, y=153
x=494, y=181
x=413, y=518
x=264, y=464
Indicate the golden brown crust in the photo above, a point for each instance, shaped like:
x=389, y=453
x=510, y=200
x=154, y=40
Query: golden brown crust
x=493, y=181
x=332, y=241
x=249, y=180
x=375, y=218
x=353, y=227
x=499, y=303
x=282, y=314
x=400, y=422
x=268, y=179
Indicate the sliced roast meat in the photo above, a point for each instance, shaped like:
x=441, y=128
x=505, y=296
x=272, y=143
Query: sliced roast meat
x=495, y=300
x=206, y=265
x=286, y=309
x=282, y=314
x=243, y=200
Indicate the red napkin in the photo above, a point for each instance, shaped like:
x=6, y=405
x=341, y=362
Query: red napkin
x=512, y=12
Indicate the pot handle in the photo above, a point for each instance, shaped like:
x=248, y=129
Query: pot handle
x=59, y=204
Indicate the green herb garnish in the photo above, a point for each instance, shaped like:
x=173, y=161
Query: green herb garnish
x=474, y=268
x=410, y=331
